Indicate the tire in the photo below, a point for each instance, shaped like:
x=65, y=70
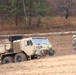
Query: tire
x=7, y=60
x=20, y=57
x=51, y=52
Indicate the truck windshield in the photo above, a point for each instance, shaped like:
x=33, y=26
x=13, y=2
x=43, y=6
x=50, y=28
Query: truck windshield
x=41, y=41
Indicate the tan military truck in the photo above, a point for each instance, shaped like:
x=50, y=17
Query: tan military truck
x=17, y=49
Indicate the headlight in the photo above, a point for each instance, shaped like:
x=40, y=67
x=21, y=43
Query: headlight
x=50, y=47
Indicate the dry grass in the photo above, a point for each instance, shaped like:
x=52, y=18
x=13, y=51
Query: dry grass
x=48, y=24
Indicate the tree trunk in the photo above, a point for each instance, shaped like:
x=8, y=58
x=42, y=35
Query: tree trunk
x=29, y=20
x=67, y=13
x=26, y=18
x=38, y=21
x=1, y=19
x=16, y=19
x=30, y=13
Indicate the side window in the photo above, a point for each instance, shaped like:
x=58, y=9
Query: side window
x=29, y=43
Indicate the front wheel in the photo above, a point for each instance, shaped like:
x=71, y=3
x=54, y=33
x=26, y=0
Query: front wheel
x=19, y=57
x=51, y=52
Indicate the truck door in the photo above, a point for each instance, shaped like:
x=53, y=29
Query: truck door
x=29, y=48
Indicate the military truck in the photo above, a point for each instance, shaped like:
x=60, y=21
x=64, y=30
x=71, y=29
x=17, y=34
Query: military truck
x=18, y=48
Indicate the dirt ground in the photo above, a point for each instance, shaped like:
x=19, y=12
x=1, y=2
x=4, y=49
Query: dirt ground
x=62, y=63
x=62, y=44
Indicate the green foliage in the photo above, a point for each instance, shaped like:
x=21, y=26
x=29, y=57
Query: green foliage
x=14, y=8
x=43, y=8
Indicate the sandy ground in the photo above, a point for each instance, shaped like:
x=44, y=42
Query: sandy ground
x=62, y=63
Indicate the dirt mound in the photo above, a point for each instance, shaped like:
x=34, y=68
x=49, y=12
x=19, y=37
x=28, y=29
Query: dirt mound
x=61, y=65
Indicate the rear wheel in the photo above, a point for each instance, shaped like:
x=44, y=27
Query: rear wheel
x=20, y=57
x=7, y=60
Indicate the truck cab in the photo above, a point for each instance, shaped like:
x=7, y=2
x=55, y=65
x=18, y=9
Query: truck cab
x=33, y=46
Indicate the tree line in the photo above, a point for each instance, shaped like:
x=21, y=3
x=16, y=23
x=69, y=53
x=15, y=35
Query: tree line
x=15, y=10
x=64, y=8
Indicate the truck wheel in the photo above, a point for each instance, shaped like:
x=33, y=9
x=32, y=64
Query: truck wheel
x=52, y=52
x=7, y=60
x=20, y=57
